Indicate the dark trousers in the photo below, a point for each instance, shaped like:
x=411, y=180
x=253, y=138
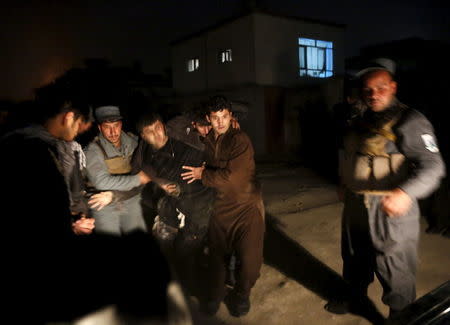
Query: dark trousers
x=374, y=243
x=244, y=235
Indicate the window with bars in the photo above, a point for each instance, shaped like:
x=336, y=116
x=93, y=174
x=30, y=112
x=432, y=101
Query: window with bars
x=315, y=58
x=193, y=64
x=225, y=56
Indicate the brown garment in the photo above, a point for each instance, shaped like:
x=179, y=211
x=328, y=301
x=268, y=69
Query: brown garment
x=237, y=224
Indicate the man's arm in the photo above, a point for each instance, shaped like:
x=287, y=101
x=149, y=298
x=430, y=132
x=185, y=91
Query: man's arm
x=418, y=144
x=236, y=169
x=101, y=179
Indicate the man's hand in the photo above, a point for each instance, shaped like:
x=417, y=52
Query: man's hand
x=100, y=200
x=169, y=188
x=144, y=178
x=235, y=124
x=83, y=226
x=397, y=203
x=193, y=174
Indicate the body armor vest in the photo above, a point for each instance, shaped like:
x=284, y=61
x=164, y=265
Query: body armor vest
x=366, y=166
x=117, y=165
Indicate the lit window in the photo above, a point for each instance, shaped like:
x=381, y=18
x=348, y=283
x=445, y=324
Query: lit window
x=315, y=57
x=193, y=64
x=225, y=56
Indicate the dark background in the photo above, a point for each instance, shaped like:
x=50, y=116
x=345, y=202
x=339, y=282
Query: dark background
x=40, y=40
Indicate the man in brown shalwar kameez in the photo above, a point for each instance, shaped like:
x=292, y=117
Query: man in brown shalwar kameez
x=237, y=224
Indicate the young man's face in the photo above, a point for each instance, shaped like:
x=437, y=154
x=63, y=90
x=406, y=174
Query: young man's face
x=203, y=130
x=155, y=135
x=111, y=131
x=378, y=90
x=220, y=121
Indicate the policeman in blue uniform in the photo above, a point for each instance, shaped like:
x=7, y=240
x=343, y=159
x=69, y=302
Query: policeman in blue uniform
x=391, y=159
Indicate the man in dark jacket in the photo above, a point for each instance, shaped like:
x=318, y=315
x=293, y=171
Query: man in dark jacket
x=183, y=209
x=49, y=269
x=237, y=223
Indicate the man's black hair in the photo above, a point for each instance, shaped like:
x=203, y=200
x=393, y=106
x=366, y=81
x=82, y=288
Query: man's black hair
x=218, y=103
x=198, y=114
x=56, y=98
x=147, y=119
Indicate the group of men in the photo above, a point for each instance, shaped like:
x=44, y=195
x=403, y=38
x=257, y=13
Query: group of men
x=202, y=188
x=199, y=196
x=194, y=188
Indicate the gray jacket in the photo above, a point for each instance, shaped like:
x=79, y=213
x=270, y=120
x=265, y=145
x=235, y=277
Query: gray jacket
x=416, y=140
x=97, y=170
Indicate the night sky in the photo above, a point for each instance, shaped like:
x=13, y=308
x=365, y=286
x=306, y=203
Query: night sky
x=42, y=39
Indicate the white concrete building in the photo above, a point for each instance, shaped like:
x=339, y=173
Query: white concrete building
x=259, y=58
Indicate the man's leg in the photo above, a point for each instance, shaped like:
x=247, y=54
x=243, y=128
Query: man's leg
x=215, y=284
x=248, y=245
x=107, y=221
x=396, y=240
x=357, y=255
x=131, y=216
x=396, y=266
x=357, y=249
x=188, y=249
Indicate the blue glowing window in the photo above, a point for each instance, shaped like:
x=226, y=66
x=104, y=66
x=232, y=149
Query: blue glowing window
x=315, y=58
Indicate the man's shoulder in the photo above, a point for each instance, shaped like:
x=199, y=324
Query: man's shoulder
x=178, y=143
x=181, y=145
x=93, y=147
x=239, y=136
x=11, y=139
x=412, y=118
x=22, y=153
x=178, y=122
x=131, y=136
x=16, y=141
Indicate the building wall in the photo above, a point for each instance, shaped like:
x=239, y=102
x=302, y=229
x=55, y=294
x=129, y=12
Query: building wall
x=308, y=115
x=237, y=36
x=264, y=50
x=276, y=49
x=263, y=73
x=184, y=81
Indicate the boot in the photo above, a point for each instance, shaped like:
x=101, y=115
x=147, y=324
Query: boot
x=209, y=308
x=237, y=305
x=347, y=302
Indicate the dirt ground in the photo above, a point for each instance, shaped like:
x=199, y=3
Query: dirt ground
x=302, y=255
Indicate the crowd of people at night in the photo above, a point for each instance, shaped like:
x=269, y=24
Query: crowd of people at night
x=175, y=210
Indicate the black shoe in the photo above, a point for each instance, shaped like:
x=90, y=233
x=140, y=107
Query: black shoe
x=393, y=316
x=237, y=305
x=338, y=306
x=353, y=302
x=209, y=308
